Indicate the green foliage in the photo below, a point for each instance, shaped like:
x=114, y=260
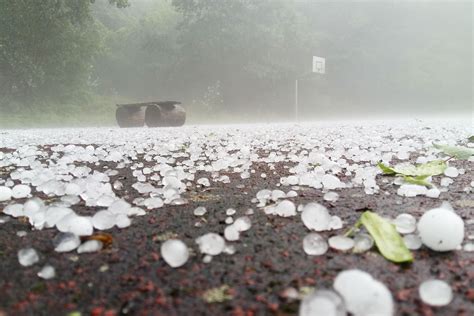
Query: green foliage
x=118, y=3
x=85, y=111
x=420, y=171
x=415, y=174
x=47, y=47
x=418, y=180
x=388, y=240
x=141, y=51
x=386, y=169
x=236, y=57
x=458, y=152
x=253, y=48
x=218, y=294
x=259, y=38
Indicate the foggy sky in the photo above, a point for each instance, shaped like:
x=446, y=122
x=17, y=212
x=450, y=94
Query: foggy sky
x=381, y=57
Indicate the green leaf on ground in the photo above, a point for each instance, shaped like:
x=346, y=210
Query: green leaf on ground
x=432, y=168
x=304, y=291
x=218, y=294
x=388, y=240
x=419, y=180
x=165, y=236
x=386, y=169
x=458, y=152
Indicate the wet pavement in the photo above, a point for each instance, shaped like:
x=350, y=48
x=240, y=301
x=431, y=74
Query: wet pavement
x=129, y=276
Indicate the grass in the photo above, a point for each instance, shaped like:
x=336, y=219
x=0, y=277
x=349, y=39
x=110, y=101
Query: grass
x=96, y=111
x=100, y=111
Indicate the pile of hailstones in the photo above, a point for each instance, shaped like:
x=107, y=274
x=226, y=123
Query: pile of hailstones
x=355, y=291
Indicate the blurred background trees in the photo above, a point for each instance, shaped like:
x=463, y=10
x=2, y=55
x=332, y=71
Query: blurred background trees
x=47, y=48
x=238, y=56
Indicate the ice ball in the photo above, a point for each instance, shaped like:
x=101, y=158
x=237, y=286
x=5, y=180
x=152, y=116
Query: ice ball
x=441, y=229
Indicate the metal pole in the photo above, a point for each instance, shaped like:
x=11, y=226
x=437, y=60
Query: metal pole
x=296, y=100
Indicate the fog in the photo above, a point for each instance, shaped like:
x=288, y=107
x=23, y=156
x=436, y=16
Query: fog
x=236, y=60
x=236, y=157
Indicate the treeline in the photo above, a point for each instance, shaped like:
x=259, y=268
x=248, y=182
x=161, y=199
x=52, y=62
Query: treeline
x=237, y=56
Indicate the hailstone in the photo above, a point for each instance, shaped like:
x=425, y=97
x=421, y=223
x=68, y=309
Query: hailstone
x=441, y=229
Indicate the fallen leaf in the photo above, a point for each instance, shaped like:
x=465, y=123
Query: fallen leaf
x=203, y=197
x=388, y=240
x=165, y=236
x=105, y=238
x=304, y=291
x=419, y=180
x=432, y=168
x=386, y=169
x=459, y=152
x=217, y=294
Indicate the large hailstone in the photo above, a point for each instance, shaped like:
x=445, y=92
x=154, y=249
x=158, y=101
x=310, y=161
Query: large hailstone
x=441, y=229
x=285, y=209
x=211, y=244
x=104, y=220
x=47, y=272
x=363, y=295
x=322, y=303
x=174, y=252
x=90, y=246
x=65, y=242
x=243, y=223
x=341, y=243
x=314, y=244
x=20, y=191
x=5, y=193
x=435, y=293
x=231, y=233
x=32, y=206
x=362, y=243
x=27, y=257
x=78, y=225
x=316, y=217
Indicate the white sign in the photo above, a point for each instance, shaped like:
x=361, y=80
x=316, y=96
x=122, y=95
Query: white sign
x=319, y=65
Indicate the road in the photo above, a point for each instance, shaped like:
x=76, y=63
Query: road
x=168, y=172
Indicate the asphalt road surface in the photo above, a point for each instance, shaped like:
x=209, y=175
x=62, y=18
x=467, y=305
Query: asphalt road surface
x=163, y=175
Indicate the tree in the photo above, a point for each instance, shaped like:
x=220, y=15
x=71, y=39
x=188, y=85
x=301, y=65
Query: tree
x=251, y=47
x=47, y=47
x=140, y=56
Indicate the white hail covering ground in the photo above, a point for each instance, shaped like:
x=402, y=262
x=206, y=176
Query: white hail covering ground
x=330, y=157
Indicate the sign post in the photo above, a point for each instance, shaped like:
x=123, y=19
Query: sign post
x=296, y=100
x=319, y=66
